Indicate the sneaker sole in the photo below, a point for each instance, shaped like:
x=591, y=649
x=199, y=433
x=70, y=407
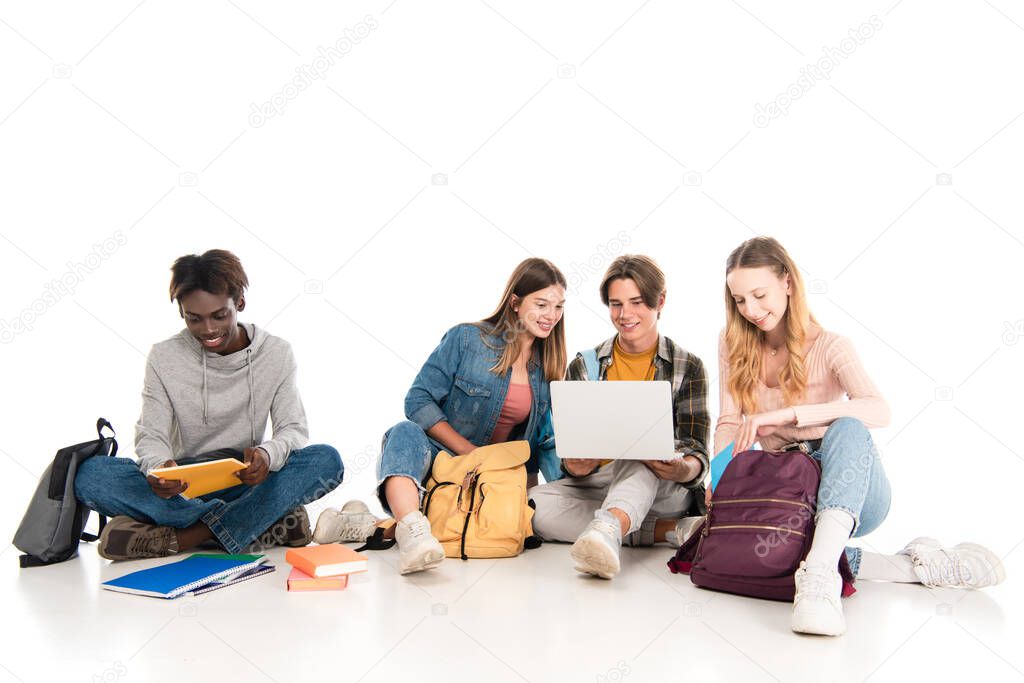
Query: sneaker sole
x=101, y=545
x=802, y=623
x=429, y=560
x=592, y=557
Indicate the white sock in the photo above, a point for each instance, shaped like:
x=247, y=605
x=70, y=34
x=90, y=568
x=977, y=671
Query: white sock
x=831, y=532
x=894, y=568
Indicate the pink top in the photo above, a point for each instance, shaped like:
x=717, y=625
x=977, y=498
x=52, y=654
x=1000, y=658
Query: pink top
x=833, y=372
x=515, y=410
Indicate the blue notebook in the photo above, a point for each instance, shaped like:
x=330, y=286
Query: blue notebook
x=719, y=464
x=177, y=578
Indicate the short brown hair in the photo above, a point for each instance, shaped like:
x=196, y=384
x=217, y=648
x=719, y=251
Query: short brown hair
x=216, y=271
x=642, y=270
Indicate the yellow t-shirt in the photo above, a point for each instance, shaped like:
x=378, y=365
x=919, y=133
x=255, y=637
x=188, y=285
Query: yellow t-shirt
x=631, y=366
x=627, y=367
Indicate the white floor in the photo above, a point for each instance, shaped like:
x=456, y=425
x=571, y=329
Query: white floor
x=530, y=618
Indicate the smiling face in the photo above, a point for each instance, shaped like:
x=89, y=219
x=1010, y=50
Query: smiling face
x=538, y=312
x=635, y=321
x=213, y=320
x=761, y=297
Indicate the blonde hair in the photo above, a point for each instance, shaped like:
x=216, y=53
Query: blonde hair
x=744, y=340
x=532, y=275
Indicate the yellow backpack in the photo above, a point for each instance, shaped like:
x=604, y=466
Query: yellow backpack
x=476, y=503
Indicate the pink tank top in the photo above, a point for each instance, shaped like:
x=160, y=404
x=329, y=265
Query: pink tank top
x=515, y=410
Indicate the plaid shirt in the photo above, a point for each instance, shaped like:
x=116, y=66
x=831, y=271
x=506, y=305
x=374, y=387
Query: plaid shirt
x=685, y=371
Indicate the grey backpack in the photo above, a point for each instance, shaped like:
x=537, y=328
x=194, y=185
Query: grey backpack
x=55, y=519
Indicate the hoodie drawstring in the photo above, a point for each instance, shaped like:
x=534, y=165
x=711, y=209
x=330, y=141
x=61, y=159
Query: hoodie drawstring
x=252, y=400
x=206, y=398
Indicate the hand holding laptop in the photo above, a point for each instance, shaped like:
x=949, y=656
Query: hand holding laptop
x=677, y=469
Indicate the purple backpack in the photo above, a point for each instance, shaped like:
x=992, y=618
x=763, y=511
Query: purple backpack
x=758, y=529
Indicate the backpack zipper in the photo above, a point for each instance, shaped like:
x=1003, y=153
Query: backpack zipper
x=757, y=526
x=762, y=500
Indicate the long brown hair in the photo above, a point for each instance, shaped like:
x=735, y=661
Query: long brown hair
x=744, y=341
x=532, y=275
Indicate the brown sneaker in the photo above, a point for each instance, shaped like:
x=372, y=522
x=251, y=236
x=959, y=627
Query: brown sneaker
x=124, y=538
x=291, y=530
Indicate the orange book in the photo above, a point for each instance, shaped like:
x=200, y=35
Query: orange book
x=299, y=580
x=203, y=477
x=330, y=559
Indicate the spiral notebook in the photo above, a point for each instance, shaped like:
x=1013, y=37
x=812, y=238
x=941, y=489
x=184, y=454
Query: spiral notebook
x=190, y=574
x=259, y=570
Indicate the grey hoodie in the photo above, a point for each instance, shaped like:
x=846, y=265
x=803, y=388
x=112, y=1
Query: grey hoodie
x=195, y=401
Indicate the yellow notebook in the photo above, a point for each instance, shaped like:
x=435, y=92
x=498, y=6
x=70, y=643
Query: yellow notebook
x=203, y=477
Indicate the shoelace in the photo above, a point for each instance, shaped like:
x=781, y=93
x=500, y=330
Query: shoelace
x=420, y=528
x=946, y=569
x=606, y=528
x=149, y=545
x=818, y=584
x=358, y=532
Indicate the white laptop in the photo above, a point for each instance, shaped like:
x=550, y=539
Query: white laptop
x=613, y=420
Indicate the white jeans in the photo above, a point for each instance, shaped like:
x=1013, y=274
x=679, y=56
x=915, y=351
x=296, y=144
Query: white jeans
x=566, y=506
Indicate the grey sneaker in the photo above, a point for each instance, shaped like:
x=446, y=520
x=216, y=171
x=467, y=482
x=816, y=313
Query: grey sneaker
x=291, y=530
x=124, y=538
x=596, y=551
x=353, y=523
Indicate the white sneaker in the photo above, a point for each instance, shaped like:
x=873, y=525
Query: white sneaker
x=965, y=565
x=417, y=547
x=353, y=523
x=596, y=551
x=817, y=606
x=684, y=529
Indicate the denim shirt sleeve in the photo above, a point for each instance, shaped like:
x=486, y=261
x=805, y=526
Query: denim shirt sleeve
x=548, y=452
x=434, y=381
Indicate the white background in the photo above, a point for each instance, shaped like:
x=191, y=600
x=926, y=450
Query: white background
x=571, y=131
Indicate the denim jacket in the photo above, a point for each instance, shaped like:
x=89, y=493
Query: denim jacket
x=456, y=384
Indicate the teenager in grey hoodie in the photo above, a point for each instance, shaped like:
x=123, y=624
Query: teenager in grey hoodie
x=210, y=388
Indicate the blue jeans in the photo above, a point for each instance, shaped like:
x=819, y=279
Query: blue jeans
x=852, y=479
x=236, y=515
x=406, y=451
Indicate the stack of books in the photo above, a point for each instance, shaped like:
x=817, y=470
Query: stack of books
x=323, y=567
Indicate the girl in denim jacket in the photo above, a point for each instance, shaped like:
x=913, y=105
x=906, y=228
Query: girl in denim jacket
x=486, y=382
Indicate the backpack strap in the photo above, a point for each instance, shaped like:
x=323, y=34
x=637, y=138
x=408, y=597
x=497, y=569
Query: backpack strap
x=89, y=538
x=592, y=364
x=377, y=541
x=102, y=423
